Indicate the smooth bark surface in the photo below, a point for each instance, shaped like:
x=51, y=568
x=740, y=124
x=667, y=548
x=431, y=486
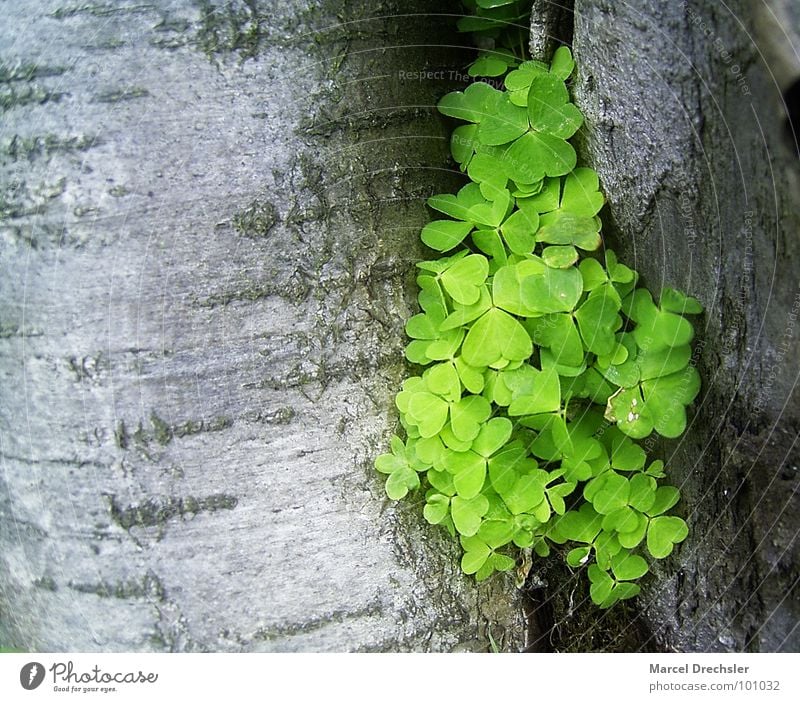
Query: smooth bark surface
x=209, y=220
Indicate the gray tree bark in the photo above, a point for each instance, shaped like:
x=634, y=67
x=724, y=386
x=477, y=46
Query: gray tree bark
x=686, y=125
x=209, y=216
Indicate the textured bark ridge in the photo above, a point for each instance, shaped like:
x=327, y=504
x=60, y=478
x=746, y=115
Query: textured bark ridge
x=686, y=126
x=209, y=214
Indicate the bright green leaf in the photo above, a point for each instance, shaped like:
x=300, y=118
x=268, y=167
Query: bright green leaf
x=444, y=234
x=495, y=336
x=436, y=508
x=663, y=533
x=467, y=513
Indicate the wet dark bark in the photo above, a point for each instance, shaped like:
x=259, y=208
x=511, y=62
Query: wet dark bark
x=687, y=126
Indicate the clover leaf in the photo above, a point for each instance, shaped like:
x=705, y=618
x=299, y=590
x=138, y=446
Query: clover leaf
x=622, y=521
x=663, y=533
x=581, y=194
x=463, y=142
x=558, y=334
x=492, y=436
x=445, y=346
x=518, y=81
x=556, y=495
x=605, y=591
x=402, y=466
x=666, y=399
x=521, y=336
x=469, y=465
x=494, y=211
x=577, y=453
x=481, y=559
x=626, y=566
x=598, y=321
x=472, y=105
x=615, y=278
x=635, y=536
x=464, y=279
x=546, y=199
x=562, y=64
x=467, y=513
x=487, y=170
x=504, y=123
x=533, y=391
x=459, y=205
x=559, y=256
x=496, y=336
x=606, y=546
x=578, y=556
x=656, y=364
x=536, y=155
x=656, y=329
x=582, y=525
x=549, y=109
x=428, y=412
x=608, y=492
x=476, y=553
x=642, y=492
x=496, y=533
x=464, y=314
x=550, y=290
x=437, y=507
x=445, y=234
x=675, y=301
x=526, y=493
x=493, y=63
x=659, y=403
x=423, y=328
x=443, y=380
x=665, y=497
x=565, y=228
x=471, y=378
x=624, y=454
x=468, y=470
x=506, y=466
x=519, y=232
x=466, y=416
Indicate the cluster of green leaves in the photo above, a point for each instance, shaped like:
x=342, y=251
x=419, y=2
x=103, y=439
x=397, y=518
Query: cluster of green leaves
x=500, y=23
x=542, y=361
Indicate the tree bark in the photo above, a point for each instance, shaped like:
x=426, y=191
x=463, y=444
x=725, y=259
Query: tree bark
x=687, y=127
x=210, y=213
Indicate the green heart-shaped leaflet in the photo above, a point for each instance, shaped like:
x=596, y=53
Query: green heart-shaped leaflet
x=581, y=195
x=504, y=123
x=467, y=415
x=437, y=507
x=464, y=279
x=533, y=391
x=549, y=110
x=468, y=470
x=663, y=533
x=473, y=105
x=467, y=513
x=582, y=526
x=494, y=337
x=445, y=234
x=458, y=206
x=536, y=155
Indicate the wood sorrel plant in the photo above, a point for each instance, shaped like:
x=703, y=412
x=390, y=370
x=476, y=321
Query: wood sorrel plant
x=543, y=361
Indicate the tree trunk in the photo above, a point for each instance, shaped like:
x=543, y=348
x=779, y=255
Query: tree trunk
x=210, y=213
x=686, y=125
